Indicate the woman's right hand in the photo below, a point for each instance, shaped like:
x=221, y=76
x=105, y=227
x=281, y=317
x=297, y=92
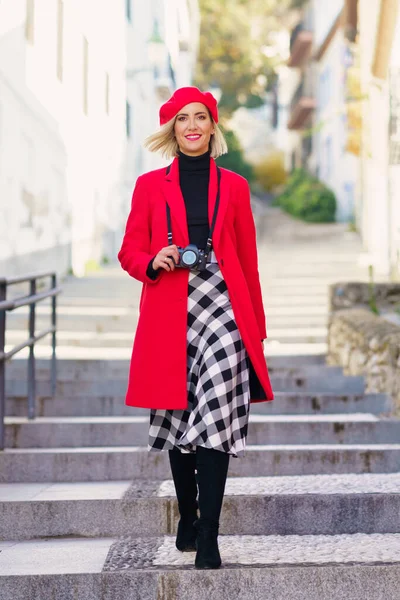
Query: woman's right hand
x=166, y=257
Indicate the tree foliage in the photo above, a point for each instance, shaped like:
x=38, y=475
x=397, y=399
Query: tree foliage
x=235, y=160
x=233, y=37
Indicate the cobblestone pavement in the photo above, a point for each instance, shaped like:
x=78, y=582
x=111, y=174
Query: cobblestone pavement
x=129, y=553
x=381, y=483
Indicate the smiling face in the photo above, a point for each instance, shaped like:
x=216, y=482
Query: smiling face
x=193, y=128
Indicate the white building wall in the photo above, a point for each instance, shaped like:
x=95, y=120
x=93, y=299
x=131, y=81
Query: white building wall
x=334, y=165
x=59, y=167
x=287, y=141
x=394, y=173
x=324, y=15
x=179, y=26
x=375, y=157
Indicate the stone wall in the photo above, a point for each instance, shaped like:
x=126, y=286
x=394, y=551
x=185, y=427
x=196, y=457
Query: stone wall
x=366, y=344
x=348, y=295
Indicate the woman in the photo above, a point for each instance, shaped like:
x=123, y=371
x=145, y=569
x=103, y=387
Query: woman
x=197, y=361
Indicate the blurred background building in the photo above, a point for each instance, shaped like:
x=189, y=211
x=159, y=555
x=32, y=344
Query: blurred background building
x=339, y=99
x=80, y=87
x=317, y=81
x=162, y=39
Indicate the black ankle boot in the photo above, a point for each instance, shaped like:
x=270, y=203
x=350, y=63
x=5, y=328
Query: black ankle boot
x=183, y=467
x=212, y=469
x=187, y=534
x=207, y=556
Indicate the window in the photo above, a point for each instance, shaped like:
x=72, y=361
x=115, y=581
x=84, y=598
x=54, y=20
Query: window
x=128, y=119
x=107, y=94
x=328, y=156
x=348, y=189
x=324, y=88
x=30, y=21
x=85, y=75
x=60, y=38
x=128, y=9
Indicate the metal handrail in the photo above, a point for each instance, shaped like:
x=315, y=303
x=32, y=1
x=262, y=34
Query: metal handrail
x=8, y=305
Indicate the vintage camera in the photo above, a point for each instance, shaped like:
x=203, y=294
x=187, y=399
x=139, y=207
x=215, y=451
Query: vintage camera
x=191, y=257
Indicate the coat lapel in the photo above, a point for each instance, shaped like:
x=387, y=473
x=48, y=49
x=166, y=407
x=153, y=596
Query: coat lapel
x=173, y=196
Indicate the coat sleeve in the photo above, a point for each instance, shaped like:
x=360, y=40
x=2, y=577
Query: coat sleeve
x=246, y=237
x=135, y=254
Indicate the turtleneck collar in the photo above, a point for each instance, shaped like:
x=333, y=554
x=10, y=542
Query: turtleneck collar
x=194, y=163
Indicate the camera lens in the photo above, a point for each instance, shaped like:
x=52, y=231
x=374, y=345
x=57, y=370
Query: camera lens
x=189, y=257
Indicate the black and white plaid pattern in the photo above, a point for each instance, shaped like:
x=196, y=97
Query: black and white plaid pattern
x=218, y=375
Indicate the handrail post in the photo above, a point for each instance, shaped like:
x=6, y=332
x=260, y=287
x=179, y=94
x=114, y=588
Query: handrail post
x=3, y=292
x=31, y=360
x=53, y=337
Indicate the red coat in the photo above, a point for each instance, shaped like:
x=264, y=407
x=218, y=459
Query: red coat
x=158, y=371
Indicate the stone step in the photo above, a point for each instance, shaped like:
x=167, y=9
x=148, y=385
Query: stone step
x=272, y=348
x=311, y=310
x=308, y=504
x=66, y=325
x=337, y=384
x=87, y=310
x=75, y=338
x=299, y=256
x=124, y=339
x=284, y=403
x=86, y=370
x=72, y=432
x=291, y=567
x=73, y=325
x=298, y=335
x=277, y=348
x=127, y=303
x=344, y=270
x=298, y=321
x=324, y=383
x=106, y=352
x=279, y=299
x=131, y=462
x=299, y=280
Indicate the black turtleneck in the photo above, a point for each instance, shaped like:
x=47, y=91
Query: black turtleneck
x=194, y=175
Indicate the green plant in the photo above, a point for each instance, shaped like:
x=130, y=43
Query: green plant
x=371, y=291
x=235, y=160
x=307, y=198
x=105, y=260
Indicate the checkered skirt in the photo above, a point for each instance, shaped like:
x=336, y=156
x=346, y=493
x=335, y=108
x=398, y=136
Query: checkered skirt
x=217, y=375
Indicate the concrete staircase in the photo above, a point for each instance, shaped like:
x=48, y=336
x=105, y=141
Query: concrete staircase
x=310, y=513
x=312, y=510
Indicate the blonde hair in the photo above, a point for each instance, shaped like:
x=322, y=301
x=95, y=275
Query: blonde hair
x=164, y=141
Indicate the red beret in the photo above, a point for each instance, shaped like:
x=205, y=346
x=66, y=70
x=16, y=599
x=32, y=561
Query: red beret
x=183, y=96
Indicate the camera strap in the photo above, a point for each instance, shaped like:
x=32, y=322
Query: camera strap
x=209, y=240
